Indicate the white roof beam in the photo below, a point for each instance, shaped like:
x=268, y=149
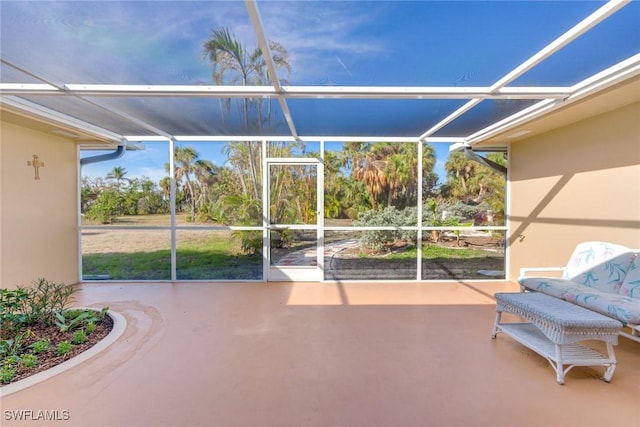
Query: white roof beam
x=621, y=71
x=30, y=74
x=252, y=8
x=373, y=92
x=51, y=88
x=222, y=91
x=454, y=92
x=600, y=81
x=129, y=118
x=576, y=31
x=234, y=138
x=516, y=119
x=28, y=89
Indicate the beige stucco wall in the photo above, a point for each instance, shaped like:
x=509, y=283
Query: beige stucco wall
x=573, y=184
x=38, y=218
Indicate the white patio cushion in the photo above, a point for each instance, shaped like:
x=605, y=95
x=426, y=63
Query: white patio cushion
x=599, y=265
x=623, y=308
x=631, y=285
x=555, y=287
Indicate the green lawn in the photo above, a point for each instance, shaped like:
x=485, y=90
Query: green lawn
x=209, y=257
x=216, y=255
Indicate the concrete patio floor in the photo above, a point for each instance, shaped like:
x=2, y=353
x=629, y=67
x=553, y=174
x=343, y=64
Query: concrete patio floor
x=322, y=354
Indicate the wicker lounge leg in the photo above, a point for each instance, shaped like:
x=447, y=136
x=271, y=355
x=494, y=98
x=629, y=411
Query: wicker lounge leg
x=608, y=374
x=559, y=366
x=495, y=325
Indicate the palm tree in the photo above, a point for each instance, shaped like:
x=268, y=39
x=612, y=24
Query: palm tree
x=460, y=170
x=388, y=171
x=429, y=177
x=185, y=158
x=205, y=172
x=245, y=159
x=165, y=185
x=234, y=64
x=117, y=174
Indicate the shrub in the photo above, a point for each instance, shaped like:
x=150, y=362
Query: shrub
x=106, y=208
x=47, y=298
x=29, y=360
x=250, y=241
x=13, y=347
x=63, y=348
x=7, y=373
x=40, y=346
x=13, y=312
x=79, y=337
x=91, y=327
x=380, y=240
x=9, y=368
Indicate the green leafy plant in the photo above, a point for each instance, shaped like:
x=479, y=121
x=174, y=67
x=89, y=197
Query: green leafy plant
x=79, y=337
x=67, y=324
x=12, y=309
x=11, y=360
x=380, y=241
x=13, y=347
x=7, y=373
x=40, y=346
x=46, y=298
x=7, y=348
x=102, y=313
x=106, y=207
x=63, y=348
x=72, y=313
x=439, y=220
x=29, y=360
x=91, y=327
x=22, y=306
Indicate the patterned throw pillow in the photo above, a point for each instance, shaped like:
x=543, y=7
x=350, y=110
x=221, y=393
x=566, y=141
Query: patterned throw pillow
x=600, y=265
x=631, y=285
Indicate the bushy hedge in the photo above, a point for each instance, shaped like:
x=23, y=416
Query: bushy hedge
x=380, y=240
x=383, y=240
x=454, y=210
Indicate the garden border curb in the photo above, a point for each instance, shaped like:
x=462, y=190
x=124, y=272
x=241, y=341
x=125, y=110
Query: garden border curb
x=119, y=326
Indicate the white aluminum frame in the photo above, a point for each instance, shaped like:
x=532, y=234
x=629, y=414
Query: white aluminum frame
x=293, y=273
x=551, y=98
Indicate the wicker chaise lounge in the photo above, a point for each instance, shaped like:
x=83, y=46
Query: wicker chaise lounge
x=600, y=276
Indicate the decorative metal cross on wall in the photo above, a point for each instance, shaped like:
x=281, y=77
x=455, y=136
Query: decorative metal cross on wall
x=36, y=164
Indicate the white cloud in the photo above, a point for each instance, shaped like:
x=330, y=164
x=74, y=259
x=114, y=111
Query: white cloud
x=322, y=37
x=161, y=42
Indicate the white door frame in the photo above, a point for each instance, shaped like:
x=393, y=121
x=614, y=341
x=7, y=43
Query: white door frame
x=293, y=273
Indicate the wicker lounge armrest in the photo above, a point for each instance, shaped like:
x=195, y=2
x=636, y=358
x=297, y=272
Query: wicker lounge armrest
x=525, y=270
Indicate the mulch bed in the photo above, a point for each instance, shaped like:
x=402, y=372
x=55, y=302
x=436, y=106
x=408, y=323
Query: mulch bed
x=50, y=358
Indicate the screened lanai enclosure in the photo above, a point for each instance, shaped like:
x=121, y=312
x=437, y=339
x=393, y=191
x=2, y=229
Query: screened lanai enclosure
x=250, y=210
x=302, y=140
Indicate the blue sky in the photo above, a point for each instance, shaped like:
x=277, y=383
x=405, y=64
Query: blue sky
x=371, y=43
x=329, y=42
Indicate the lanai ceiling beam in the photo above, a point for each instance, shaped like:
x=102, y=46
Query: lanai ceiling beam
x=576, y=31
x=313, y=92
x=254, y=14
x=51, y=88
